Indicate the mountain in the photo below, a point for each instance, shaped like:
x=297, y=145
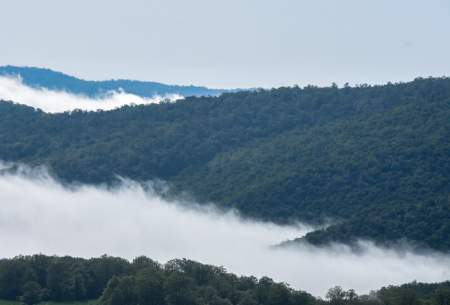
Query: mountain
x=52, y=80
x=372, y=161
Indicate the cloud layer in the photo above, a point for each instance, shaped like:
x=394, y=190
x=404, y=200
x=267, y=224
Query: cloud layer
x=41, y=216
x=13, y=89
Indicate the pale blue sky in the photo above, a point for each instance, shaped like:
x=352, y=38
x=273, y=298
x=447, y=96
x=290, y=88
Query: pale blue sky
x=232, y=43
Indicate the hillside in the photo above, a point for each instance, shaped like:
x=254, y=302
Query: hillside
x=373, y=159
x=52, y=80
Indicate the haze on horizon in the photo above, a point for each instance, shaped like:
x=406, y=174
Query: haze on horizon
x=231, y=43
x=52, y=101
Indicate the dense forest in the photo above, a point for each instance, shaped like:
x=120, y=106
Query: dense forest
x=375, y=160
x=52, y=80
x=116, y=281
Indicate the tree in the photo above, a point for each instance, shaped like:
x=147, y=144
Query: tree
x=279, y=294
x=336, y=296
x=64, y=280
x=149, y=287
x=215, y=300
x=178, y=288
x=441, y=296
x=31, y=293
x=248, y=299
x=11, y=273
x=120, y=291
x=142, y=262
x=408, y=297
x=302, y=298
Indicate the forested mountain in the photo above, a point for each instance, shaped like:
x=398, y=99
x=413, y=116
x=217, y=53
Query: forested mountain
x=116, y=281
x=373, y=159
x=52, y=80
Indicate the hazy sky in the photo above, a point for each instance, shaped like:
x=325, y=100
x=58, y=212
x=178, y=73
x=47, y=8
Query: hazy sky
x=232, y=43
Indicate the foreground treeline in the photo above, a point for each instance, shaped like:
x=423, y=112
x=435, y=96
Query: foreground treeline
x=116, y=281
x=374, y=158
x=143, y=281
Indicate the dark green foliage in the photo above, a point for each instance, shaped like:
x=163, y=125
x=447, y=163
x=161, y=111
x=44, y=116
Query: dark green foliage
x=180, y=281
x=415, y=294
x=150, y=286
x=375, y=160
x=426, y=224
x=179, y=288
x=141, y=282
x=399, y=296
x=31, y=293
x=101, y=270
x=337, y=296
x=441, y=296
x=408, y=294
x=120, y=291
x=67, y=279
x=61, y=278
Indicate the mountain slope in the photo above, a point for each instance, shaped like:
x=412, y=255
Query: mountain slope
x=375, y=160
x=45, y=78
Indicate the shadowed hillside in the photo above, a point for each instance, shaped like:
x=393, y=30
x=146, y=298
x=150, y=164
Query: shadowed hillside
x=373, y=159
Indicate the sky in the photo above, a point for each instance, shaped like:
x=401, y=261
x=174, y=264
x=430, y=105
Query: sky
x=232, y=43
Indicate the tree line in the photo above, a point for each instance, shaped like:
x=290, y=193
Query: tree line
x=143, y=281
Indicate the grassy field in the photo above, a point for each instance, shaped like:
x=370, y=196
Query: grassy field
x=4, y=302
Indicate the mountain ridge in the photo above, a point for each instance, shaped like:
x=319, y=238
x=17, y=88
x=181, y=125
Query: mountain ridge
x=53, y=80
x=374, y=158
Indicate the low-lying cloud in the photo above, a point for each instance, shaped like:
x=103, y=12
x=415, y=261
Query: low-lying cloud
x=13, y=89
x=38, y=215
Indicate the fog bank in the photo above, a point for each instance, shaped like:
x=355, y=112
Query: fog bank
x=41, y=216
x=13, y=89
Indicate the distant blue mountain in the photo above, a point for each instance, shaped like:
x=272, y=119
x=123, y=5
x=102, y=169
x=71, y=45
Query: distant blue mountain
x=52, y=80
